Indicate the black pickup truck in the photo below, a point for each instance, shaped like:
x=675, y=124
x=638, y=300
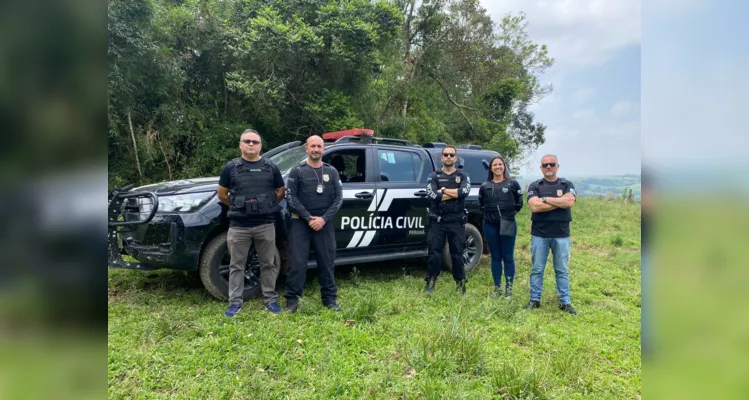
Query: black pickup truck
x=182, y=225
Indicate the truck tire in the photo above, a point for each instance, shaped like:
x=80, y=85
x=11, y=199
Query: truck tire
x=214, y=270
x=471, y=254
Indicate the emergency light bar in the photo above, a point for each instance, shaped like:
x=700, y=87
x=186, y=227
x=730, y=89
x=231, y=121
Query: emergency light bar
x=349, y=132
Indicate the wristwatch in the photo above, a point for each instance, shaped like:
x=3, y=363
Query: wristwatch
x=543, y=199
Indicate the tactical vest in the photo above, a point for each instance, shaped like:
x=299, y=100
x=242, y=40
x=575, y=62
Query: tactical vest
x=309, y=180
x=452, y=210
x=252, y=193
x=556, y=189
x=499, y=201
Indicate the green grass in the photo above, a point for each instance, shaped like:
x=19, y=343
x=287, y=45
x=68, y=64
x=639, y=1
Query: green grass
x=168, y=338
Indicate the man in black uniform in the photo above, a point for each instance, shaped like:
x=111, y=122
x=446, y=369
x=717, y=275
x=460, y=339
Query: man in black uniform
x=447, y=190
x=251, y=186
x=550, y=200
x=315, y=196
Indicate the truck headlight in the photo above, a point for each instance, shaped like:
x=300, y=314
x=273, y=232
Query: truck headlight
x=183, y=203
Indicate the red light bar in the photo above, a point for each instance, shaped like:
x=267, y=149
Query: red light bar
x=349, y=132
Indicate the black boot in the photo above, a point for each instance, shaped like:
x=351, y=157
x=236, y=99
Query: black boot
x=461, y=287
x=429, y=289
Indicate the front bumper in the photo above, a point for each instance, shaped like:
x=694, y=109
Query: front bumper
x=170, y=241
x=161, y=240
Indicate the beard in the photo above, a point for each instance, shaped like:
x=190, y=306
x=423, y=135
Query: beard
x=315, y=156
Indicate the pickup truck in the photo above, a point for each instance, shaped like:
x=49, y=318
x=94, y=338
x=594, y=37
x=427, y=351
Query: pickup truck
x=181, y=225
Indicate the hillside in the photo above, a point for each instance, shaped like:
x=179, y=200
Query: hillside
x=599, y=186
x=168, y=337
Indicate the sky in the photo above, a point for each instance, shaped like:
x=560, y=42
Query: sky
x=683, y=54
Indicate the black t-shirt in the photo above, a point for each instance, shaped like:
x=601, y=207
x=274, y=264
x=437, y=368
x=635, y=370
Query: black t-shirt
x=555, y=223
x=225, y=181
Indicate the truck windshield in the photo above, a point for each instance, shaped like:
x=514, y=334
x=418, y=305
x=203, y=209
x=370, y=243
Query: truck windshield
x=285, y=160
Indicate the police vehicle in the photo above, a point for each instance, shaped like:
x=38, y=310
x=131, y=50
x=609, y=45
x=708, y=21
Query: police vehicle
x=182, y=225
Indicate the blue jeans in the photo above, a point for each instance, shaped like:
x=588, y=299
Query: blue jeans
x=560, y=249
x=503, y=251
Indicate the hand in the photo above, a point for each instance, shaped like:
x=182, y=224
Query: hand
x=316, y=223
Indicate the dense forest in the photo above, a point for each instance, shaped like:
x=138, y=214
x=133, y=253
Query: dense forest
x=187, y=77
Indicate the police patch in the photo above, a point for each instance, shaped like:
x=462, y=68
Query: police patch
x=559, y=193
x=457, y=179
x=505, y=190
x=325, y=177
x=573, y=192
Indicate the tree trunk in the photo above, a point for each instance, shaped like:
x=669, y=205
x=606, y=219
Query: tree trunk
x=166, y=159
x=135, y=145
x=407, y=56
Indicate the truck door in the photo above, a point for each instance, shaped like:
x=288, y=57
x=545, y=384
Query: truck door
x=354, y=165
x=402, y=210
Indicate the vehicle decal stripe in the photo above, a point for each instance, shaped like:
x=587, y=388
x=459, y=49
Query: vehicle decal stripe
x=355, y=239
x=367, y=239
x=375, y=200
x=396, y=194
x=349, y=193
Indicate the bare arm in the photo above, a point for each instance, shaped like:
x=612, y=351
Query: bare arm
x=566, y=201
x=223, y=195
x=280, y=193
x=539, y=206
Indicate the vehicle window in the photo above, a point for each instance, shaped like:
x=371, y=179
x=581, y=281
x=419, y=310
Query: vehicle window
x=350, y=163
x=475, y=169
x=399, y=166
x=285, y=160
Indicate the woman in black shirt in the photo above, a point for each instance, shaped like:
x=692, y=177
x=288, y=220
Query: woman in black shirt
x=501, y=198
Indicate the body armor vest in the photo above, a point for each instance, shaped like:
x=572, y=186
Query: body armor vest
x=499, y=201
x=556, y=189
x=453, y=210
x=252, y=193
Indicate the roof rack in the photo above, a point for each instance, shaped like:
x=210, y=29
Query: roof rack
x=469, y=146
x=438, y=145
x=370, y=140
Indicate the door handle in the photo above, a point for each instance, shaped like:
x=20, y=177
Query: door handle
x=363, y=195
x=421, y=193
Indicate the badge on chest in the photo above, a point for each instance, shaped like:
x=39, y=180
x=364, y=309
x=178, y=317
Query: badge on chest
x=457, y=179
x=319, y=189
x=559, y=193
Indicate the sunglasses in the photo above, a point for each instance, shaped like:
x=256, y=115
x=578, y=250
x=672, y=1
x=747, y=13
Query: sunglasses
x=448, y=154
x=250, y=141
x=551, y=164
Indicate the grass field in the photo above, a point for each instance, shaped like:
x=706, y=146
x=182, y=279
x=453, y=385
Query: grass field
x=169, y=339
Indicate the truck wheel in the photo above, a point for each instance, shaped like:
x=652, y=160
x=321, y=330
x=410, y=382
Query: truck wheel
x=214, y=270
x=471, y=253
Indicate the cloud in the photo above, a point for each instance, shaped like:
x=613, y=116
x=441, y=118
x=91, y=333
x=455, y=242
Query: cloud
x=584, y=95
x=624, y=108
x=578, y=33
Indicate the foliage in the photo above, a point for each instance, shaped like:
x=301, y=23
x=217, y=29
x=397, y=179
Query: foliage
x=190, y=75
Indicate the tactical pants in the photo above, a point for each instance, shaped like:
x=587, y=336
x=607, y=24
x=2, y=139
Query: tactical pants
x=455, y=235
x=324, y=245
x=240, y=240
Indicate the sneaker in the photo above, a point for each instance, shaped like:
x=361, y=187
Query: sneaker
x=567, y=308
x=497, y=293
x=273, y=307
x=291, y=306
x=532, y=304
x=334, y=307
x=461, y=287
x=508, y=291
x=233, y=310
